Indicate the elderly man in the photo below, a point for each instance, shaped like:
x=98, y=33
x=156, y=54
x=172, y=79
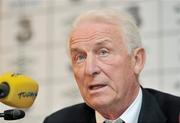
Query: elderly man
x=107, y=59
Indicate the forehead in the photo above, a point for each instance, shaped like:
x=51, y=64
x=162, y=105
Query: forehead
x=93, y=30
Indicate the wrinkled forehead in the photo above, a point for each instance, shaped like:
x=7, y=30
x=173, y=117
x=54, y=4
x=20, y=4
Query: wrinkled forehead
x=88, y=30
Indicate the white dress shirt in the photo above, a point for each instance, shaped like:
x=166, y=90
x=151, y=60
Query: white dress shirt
x=130, y=115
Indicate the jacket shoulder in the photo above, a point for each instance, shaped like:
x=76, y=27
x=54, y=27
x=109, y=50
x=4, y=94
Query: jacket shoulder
x=165, y=98
x=77, y=113
x=168, y=103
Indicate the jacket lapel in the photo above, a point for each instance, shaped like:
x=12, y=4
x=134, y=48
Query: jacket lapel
x=150, y=110
x=88, y=115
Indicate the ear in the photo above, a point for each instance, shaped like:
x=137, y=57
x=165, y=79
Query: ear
x=138, y=59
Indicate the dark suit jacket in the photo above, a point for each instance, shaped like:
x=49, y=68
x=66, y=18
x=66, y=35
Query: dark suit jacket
x=157, y=107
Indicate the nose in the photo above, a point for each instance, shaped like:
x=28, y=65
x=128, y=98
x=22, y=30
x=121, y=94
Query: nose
x=92, y=67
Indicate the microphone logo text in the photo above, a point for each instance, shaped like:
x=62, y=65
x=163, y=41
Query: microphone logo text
x=27, y=94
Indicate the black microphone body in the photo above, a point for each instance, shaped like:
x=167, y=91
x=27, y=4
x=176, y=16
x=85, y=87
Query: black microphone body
x=12, y=114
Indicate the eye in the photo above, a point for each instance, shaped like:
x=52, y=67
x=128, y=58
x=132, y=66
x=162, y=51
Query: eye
x=103, y=52
x=80, y=58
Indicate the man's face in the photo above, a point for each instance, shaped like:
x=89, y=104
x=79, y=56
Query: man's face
x=101, y=64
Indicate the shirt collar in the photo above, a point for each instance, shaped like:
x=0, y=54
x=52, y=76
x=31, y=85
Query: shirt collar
x=130, y=115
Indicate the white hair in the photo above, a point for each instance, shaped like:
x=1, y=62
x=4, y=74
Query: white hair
x=125, y=22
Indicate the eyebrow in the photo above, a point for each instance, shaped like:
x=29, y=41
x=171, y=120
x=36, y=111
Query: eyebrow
x=103, y=41
x=75, y=50
x=99, y=43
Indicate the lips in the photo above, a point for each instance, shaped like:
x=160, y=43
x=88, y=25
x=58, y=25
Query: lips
x=96, y=86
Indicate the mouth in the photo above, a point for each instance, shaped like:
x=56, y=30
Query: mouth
x=97, y=86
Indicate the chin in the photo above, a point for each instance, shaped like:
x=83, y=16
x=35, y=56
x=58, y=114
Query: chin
x=98, y=103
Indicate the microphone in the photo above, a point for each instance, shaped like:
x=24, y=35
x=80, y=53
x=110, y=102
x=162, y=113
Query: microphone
x=12, y=114
x=17, y=90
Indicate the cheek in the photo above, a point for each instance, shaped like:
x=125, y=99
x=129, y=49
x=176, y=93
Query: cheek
x=79, y=76
x=78, y=72
x=119, y=72
x=114, y=69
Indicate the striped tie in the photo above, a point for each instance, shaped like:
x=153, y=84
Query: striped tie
x=118, y=121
